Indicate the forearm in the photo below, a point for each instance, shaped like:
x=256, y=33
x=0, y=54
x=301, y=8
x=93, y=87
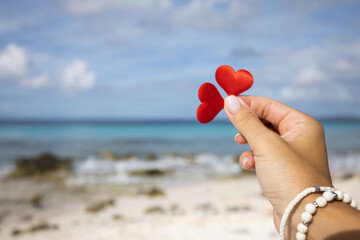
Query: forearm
x=337, y=220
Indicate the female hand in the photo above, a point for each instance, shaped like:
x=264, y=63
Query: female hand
x=288, y=148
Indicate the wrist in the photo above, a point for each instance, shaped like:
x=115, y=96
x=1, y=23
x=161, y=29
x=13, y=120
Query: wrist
x=295, y=217
x=289, y=211
x=333, y=218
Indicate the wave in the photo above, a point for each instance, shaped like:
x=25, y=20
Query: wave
x=205, y=165
x=135, y=169
x=342, y=164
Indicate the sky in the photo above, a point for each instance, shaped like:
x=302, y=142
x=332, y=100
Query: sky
x=146, y=59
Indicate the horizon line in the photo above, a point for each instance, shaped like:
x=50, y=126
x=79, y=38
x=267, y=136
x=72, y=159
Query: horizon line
x=90, y=120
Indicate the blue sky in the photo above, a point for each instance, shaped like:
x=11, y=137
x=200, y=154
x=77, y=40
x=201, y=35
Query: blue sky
x=147, y=58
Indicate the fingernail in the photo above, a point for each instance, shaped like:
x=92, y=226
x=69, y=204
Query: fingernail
x=232, y=104
x=238, y=134
x=245, y=162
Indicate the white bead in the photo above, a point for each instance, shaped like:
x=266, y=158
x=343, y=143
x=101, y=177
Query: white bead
x=353, y=203
x=321, y=201
x=306, y=217
x=300, y=236
x=302, y=228
x=347, y=198
x=310, y=208
x=340, y=194
x=329, y=196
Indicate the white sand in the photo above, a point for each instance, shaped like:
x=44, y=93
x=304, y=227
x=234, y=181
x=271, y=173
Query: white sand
x=212, y=220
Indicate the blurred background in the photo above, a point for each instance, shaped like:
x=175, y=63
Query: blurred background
x=112, y=85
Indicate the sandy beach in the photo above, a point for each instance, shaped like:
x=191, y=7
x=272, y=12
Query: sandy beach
x=120, y=119
x=227, y=208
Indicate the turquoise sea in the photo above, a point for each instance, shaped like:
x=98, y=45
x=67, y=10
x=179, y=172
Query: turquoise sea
x=211, y=145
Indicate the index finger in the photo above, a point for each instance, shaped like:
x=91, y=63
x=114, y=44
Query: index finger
x=278, y=114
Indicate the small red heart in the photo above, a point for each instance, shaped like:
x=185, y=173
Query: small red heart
x=233, y=83
x=212, y=103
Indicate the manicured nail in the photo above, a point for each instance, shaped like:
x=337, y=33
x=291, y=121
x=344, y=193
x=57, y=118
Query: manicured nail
x=232, y=104
x=235, y=138
x=245, y=162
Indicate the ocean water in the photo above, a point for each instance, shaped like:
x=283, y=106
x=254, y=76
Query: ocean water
x=211, y=147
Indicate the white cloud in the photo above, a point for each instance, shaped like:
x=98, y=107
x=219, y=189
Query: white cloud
x=37, y=82
x=331, y=92
x=99, y=6
x=76, y=76
x=291, y=93
x=310, y=5
x=142, y=17
x=344, y=65
x=327, y=71
x=120, y=21
x=15, y=66
x=201, y=14
x=310, y=74
x=14, y=62
x=214, y=14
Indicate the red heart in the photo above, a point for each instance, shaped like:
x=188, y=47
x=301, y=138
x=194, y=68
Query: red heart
x=233, y=82
x=212, y=103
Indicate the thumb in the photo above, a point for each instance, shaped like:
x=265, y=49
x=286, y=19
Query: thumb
x=247, y=122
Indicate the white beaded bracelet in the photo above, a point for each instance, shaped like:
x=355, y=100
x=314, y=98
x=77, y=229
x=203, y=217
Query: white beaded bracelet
x=321, y=201
x=310, y=208
x=295, y=201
